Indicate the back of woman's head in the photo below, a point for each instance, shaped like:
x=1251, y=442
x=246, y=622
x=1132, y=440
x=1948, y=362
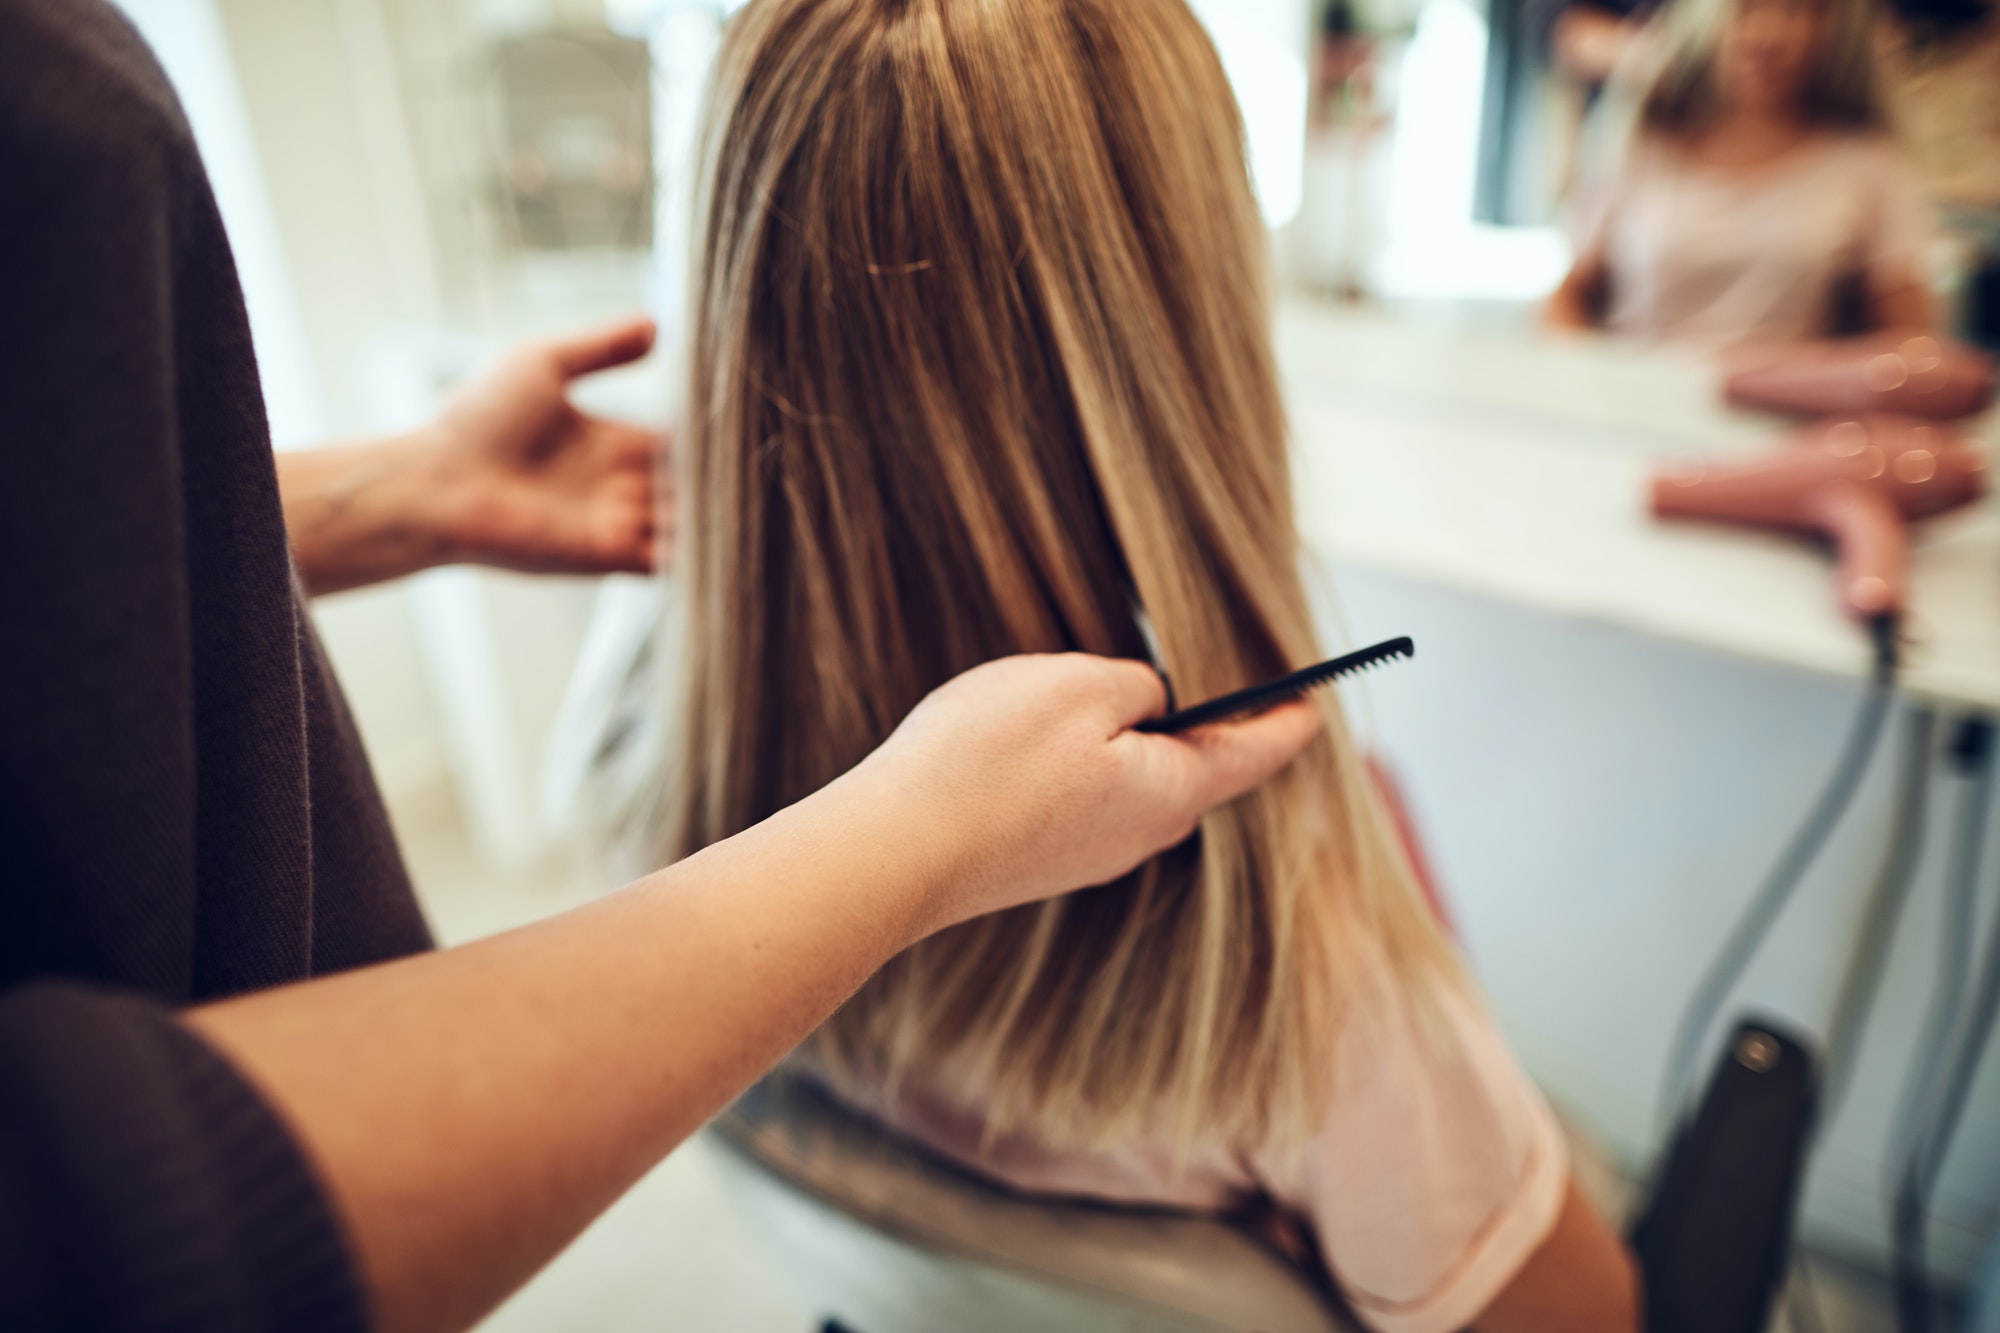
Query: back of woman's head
x=980, y=365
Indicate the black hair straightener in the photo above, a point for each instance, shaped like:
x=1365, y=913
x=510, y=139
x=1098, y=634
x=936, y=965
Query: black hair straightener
x=1274, y=692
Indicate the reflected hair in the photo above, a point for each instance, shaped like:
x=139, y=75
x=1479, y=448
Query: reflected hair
x=979, y=364
x=1678, y=95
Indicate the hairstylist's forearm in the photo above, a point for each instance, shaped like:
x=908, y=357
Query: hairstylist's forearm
x=472, y=1110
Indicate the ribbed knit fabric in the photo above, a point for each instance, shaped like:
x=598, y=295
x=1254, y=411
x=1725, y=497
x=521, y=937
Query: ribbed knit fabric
x=185, y=811
x=196, y=1214
x=183, y=803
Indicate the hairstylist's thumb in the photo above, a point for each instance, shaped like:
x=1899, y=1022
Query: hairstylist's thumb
x=1227, y=759
x=1218, y=762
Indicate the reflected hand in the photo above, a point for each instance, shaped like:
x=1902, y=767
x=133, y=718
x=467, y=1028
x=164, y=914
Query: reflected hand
x=524, y=480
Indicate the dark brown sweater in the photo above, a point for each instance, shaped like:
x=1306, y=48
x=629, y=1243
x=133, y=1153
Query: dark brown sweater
x=185, y=811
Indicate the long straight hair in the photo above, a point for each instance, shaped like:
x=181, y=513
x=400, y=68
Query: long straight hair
x=980, y=365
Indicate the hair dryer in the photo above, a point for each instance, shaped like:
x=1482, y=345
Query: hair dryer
x=1922, y=376
x=1859, y=482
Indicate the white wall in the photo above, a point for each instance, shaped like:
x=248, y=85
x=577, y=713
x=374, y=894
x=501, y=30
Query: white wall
x=1262, y=44
x=1599, y=806
x=304, y=125
x=323, y=103
x=189, y=38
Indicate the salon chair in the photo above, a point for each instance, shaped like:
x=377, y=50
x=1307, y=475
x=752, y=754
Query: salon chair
x=879, y=1236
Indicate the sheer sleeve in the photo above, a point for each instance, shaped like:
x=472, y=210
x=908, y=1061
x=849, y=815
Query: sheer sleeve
x=1438, y=1171
x=1900, y=226
x=1605, y=187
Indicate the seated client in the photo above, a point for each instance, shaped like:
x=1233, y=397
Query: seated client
x=980, y=364
x=1760, y=196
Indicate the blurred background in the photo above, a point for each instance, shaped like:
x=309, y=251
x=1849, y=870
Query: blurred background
x=1609, y=728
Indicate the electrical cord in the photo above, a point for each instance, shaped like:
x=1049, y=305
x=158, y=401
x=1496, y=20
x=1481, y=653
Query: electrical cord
x=1970, y=755
x=1754, y=925
x=1940, y=1084
x=1882, y=913
x=1803, y=1303
x=1913, y=1198
x=1880, y=918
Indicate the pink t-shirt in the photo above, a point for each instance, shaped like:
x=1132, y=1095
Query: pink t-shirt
x=1437, y=1171
x=1703, y=254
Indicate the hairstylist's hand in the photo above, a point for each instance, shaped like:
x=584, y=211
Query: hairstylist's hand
x=1027, y=772
x=529, y=482
x=509, y=474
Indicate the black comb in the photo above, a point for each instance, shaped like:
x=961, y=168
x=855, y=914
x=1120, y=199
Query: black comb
x=1273, y=692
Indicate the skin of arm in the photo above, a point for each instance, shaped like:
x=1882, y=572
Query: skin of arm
x=1581, y=1280
x=1903, y=303
x=509, y=474
x=1576, y=302
x=472, y=1109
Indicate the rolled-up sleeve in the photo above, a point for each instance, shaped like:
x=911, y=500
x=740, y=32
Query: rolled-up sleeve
x=145, y=1185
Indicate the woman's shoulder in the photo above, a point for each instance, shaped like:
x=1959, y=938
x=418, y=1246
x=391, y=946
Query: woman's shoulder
x=1867, y=169
x=1862, y=154
x=1655, y=156
x=1439, y=1168
x=1650, y=148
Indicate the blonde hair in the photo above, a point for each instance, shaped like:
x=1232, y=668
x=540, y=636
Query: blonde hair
x=980, y=365
x=1678, y=96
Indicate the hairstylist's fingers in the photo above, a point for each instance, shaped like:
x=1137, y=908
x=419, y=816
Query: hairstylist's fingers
x=1135, y=690
x=1031, y=781
x=603, y=347
x=1235, y=757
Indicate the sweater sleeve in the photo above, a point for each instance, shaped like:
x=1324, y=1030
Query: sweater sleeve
x=145, y=1185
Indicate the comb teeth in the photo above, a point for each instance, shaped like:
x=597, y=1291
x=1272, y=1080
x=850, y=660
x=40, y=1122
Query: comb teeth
x=1283, y=688
x=1351, y=664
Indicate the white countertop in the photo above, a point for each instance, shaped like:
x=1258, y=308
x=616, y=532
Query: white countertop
x=1513, y=464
